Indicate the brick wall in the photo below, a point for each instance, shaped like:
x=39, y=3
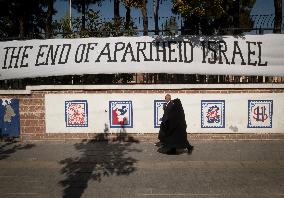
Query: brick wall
x=32, y=114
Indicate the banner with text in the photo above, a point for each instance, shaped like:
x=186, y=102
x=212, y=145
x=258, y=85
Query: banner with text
x=216, y=55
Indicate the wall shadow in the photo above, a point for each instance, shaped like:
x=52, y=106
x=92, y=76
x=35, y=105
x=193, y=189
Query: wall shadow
x=10, y=147
x=100, y=157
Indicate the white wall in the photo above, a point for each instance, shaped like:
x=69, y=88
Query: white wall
x=236, y=112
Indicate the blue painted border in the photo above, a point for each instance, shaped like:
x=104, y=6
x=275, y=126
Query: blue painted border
x=222, y=112
x=156, y=125
x=130, y=125
x=85, y=102
x=270, y=102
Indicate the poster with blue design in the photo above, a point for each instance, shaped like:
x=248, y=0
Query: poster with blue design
x=212, y=113
x=9, y=117
x=260, y=113
x=121, y=114
x=76, y=113
x=158, y=112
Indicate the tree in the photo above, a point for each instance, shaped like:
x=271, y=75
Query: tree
x=208, y=17
x=48, y=24
x=171, y=27
x=142, y=5
x=198, y=15
x=82, y=6
x=241, y=15
x=145, y=17
x=116, y=14
x=278, y=16
x=127, y=17
x=156, y=6
x=21, y=18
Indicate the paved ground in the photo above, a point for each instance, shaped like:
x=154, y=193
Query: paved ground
x=217, y=169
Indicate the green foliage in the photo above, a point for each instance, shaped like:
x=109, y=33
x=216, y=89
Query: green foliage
x=119, y=28
x=92, y=25
x=198, y=7
x=171, y=27
x=133, y=3
x=210, y=16
x=6, y=24
x=63, y=27
x=95, y=27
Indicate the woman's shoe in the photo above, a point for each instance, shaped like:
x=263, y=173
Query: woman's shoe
x=190, y=149
x=172, y=151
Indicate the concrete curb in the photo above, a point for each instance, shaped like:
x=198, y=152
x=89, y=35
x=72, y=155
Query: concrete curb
x=149, y=137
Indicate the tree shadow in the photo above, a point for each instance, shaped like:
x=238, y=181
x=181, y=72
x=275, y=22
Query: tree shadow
x=102, y=156
x=9, y=147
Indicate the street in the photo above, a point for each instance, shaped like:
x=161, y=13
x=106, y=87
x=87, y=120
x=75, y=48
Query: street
x=110, y=169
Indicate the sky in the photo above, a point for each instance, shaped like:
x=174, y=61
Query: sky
x=261, y=7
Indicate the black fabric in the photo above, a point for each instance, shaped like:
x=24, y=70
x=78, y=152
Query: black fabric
x=173, y=127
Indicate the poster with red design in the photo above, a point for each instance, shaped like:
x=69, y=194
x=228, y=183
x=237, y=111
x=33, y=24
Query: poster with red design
x=121, y=115
x=76, y=113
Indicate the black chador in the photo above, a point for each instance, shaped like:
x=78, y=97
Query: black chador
x=172, y=132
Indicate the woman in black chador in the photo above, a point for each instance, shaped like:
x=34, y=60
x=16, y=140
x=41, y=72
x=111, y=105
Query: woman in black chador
x=172, y=134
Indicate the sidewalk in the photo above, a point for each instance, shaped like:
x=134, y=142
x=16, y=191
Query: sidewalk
x=216, y=168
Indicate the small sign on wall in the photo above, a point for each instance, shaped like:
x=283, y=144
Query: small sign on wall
x=158, y=112
x=212, y=113
x=76, y=113
x=260, y=113
x=121, y=114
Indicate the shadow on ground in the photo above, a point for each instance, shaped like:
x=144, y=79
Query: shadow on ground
x=164, y=150
x=100, y=157
x=9, y=147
